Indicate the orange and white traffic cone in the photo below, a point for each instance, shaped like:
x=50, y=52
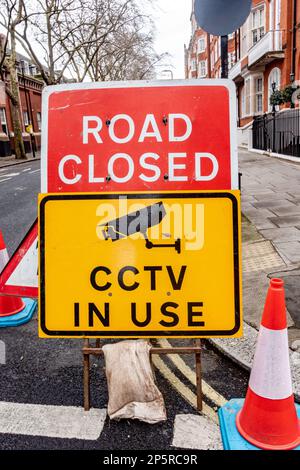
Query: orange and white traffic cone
x=8, y=305
x=268, y=419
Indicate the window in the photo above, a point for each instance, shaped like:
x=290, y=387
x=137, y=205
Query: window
x=202, y=69
x=212, y=60
x=25, y=118
x=201, y=45
x=258, y=25
x=259, y=93
x=247, y=97
x=231, y=59
x=3, y=121
x=216, y=52
x=24, y=67
x=32, y=69
x=39, y=120
x=274, y=77
x=243, y=101
x=193, y=64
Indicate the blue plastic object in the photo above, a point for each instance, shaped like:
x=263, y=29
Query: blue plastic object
x=21, y=317
x=232, y=440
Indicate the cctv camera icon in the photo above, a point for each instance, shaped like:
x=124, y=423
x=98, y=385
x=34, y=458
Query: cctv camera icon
x=139, y=222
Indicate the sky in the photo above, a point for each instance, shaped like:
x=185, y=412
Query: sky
x=172, y=20
x=173, y=30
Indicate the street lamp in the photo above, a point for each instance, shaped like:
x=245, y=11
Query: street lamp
x=169, y=71
x=274, y=85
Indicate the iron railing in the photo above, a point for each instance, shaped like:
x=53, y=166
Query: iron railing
x=278, y=132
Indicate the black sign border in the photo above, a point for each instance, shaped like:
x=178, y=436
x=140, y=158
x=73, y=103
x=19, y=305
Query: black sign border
x=141, y=334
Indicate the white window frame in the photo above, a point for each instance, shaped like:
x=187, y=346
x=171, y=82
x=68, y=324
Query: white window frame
x=258, y=29
x=212, y=59
x=201, y=44
x=243, y=107
x=202, y=68
x=26, y=118
x=274, y=76
x=231, y=59
x=248, y=97
x=259, y=93
x=3, y=121
x=39, y=120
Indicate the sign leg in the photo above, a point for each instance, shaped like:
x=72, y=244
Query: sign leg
x=86, y=377
x=198, y=375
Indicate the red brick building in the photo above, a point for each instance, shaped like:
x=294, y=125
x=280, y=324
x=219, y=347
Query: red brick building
x=264, y=51
x=30, y=89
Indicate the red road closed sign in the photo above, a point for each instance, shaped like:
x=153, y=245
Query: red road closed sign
x=135, y=136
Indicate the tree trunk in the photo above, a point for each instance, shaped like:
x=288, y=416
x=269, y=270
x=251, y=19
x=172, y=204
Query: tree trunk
x=15, y=101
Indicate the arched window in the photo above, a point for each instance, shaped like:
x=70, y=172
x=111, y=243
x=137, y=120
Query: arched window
x=274, y=77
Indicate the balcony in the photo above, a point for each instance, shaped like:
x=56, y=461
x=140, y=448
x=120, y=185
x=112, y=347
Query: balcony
x=235, y=71
x=267, y=49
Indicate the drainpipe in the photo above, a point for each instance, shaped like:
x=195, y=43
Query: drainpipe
x=208, y=54
x=294, y=44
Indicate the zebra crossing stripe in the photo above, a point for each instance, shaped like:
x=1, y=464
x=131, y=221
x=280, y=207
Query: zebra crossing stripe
x=65, y=422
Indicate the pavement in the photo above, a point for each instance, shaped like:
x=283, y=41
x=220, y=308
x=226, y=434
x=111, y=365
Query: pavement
x=271, y=248
x=9, y=161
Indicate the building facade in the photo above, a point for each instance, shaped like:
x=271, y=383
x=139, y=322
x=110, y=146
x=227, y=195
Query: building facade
x=30, y=91
x=263, y=55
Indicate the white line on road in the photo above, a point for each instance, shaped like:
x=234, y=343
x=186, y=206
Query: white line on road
x=34, y=171
x=11, y=174
x=65, y=422
x=5, y=179
x=26, y=169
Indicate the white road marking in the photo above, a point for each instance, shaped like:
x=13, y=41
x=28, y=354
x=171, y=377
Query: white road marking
x=5, y=179
x=196, y=432
x=3, y=169
x=26, y=169
x=34, y=171
x=65, y=422
x=12, y=174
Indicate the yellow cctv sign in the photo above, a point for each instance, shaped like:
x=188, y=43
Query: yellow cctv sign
x=140, y=265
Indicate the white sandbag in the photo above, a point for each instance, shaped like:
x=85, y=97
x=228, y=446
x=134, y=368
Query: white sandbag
x=131, y=388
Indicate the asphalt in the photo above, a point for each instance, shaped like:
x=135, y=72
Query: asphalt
x=50, y=371
x=19, y=187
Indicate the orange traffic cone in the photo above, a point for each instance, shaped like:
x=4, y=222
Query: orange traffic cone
x=268, y=419
x=8, y=305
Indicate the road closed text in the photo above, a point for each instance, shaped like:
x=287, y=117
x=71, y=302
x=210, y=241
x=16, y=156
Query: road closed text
x=122, y=167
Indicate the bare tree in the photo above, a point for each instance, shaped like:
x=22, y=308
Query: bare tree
x=11, y=16
x=95, y=39
x=114, y=42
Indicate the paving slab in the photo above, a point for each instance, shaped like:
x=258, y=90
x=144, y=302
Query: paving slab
x=287, y=234
x=255, y=288
x=291, y=250
x=286, y=221
x=274, y=204
x=286, y=210
x=196, y=432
